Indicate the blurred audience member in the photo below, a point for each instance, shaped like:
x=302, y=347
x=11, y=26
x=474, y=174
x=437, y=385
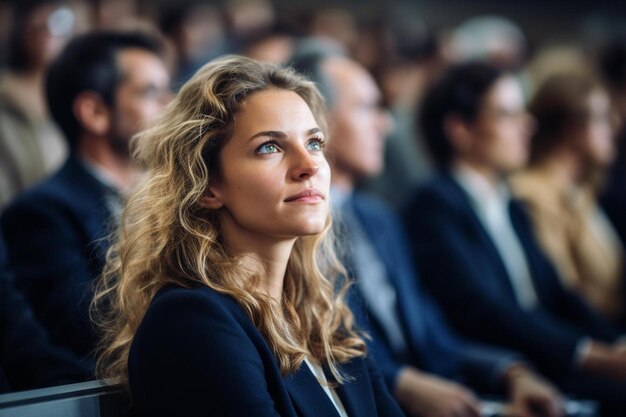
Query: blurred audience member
x=27, y=359
x=30, y=144
x=197, y=34
x=553, y=60
x=333, y=23
x=274, y=45
x=103, y=88
x=493, y=39
x=248, y=16
x=570, y=151
x=421, y=359
x=114, y=14
x=475, y=247
x=415, y=62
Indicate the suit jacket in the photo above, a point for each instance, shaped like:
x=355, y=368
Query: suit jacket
x=27, y=358
x=55, y=237
x=461, y=267
x=197, y=353
x=432, y=345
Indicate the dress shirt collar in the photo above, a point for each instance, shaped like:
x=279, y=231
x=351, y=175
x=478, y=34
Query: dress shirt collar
x=484, y=195
x=100, y=174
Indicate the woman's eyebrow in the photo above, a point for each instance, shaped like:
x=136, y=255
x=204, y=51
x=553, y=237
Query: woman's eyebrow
x=281, y=135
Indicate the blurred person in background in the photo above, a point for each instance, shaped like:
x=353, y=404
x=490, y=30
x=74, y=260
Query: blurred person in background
x=493, y=39
x=103, y=88
x=414, y=61
x=31, y=146
x=274, y=44
x=333, y=23
x=475, y=248
x=571, y=150
x=196, y=32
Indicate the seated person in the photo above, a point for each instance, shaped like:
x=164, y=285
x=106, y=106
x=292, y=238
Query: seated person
x=27, y=358
x=570, y=153
x=219, y=298
x=101, y=90
x=426, y=366
x=475, y=249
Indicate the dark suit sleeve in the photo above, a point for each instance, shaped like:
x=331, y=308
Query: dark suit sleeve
x=452, y=270
x=388, y=365
x=49, y=259
x=27, y=357
x=190, y=357
x=480, y=366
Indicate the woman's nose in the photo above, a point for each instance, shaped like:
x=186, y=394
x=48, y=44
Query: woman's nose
x=305, y=166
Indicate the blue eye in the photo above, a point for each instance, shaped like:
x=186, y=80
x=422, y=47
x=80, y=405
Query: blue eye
x=267, y=147
x=315, y=145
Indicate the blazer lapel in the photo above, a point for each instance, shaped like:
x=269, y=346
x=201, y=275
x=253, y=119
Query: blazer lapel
x=477, y=225
x=356, y=395
x=308, y=395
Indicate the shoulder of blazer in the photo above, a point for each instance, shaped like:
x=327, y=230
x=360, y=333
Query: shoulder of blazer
x=204, y=297
x=442, y=192
x=72, y=187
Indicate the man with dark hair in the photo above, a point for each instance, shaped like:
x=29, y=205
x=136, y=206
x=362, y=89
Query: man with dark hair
x=102, y=89
x=475, y=249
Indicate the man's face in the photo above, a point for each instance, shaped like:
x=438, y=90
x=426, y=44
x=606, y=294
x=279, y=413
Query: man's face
x=358, y=124
x=501, y=133
x=140, y=96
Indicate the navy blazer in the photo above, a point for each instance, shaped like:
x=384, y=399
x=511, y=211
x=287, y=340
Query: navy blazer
x=27, y=359
x=432, y=345
x=55, y=238
x=197, y=353
x=461, y=267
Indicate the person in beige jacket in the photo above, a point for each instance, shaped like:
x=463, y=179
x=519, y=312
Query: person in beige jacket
x=31, y=145
x=571, y=149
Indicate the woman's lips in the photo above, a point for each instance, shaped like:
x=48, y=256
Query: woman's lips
x=307, y=196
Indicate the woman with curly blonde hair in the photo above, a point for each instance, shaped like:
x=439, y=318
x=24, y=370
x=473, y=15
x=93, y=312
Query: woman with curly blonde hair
x=220, y=296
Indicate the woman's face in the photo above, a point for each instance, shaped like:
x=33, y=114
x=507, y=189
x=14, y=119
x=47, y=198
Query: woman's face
x=274, y=178
x=598, y=148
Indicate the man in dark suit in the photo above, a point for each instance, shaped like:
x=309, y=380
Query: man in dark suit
x=474, y=245
x=423, y=362
x=27, y=358
x=102, y=89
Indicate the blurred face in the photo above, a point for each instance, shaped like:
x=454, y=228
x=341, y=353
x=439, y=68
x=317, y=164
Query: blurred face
x=141, y=95
x=358, y=123
x=47, y=30
x=274, y=178
x=598, y=148
x=499, y=138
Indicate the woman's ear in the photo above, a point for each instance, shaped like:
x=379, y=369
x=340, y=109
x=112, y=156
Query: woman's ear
x=211, y=199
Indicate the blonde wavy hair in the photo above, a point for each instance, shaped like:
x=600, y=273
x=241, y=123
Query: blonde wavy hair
x=166, y=237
